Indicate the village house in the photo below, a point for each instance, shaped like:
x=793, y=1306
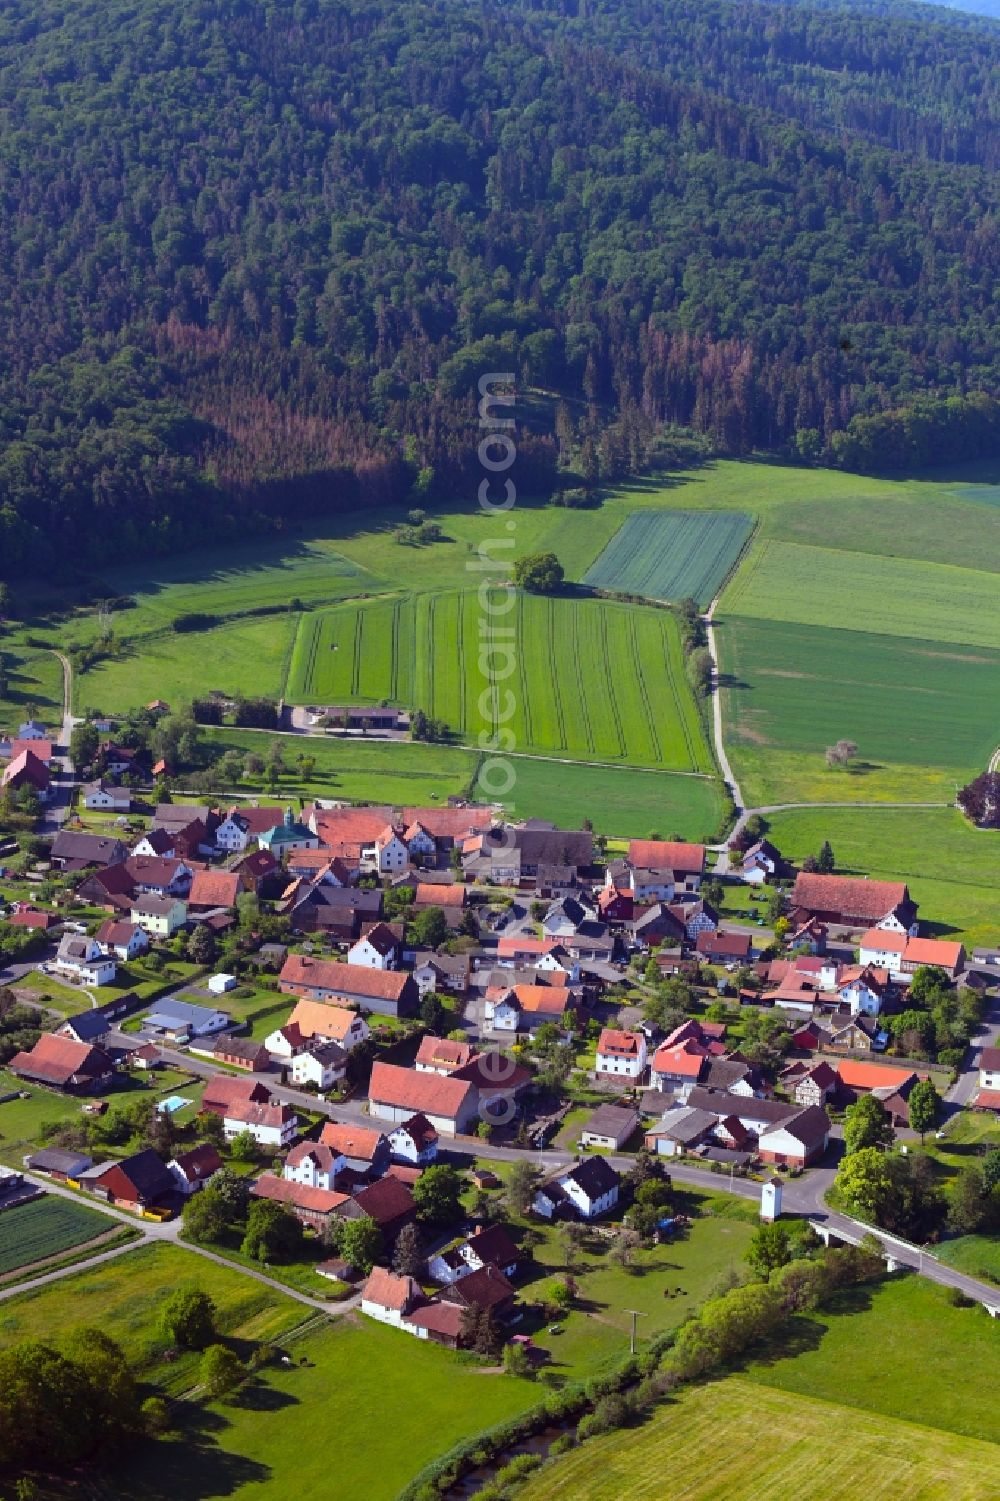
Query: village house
x=762, y=862
x=677, y=1067
x=525, y=1008
x=243, y=826
x=271, y=1124
x=863, y=989
x=414, y=1141
x=383, y=991
x=587, y=1190
x=390, y=1298
x=449, y=898
x=988, y=1096
x=854, y=902
x=184, y=1019
x=490, y=1247
x=901, y=955
x=365, y=1151
x=320, y=1064
x=810, y=1083
x=609, y=1126
x=318, y=906
x=441, y=972
x=314, y=1164
x=379, y=947
x=680, y=1130
x=621, y=1055
x=315, y=1022
x=388, y=1201
x=724, y=948
x=62, y=1063
x=158, y=916
x=395, y=1094
x=82, y=959
x=314, y=1207
x=125, y=940
x=26, y=771
x=883, y=1079
x=106, y=795
x=192, y=1170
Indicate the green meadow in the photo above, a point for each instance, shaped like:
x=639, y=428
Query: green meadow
x=32, y=685
x=953, y=870
x=626, y=802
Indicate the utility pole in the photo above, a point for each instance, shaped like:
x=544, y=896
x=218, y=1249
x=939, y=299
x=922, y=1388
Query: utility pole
x=635, y=1315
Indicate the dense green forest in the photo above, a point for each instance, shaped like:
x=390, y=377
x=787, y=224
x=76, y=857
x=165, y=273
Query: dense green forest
x=253, y=256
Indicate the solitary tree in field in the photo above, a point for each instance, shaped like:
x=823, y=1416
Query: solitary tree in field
x=841, y=753
x=538, y=573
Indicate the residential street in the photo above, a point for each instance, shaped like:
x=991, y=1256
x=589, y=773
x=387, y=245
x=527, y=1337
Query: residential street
x=987, y=1036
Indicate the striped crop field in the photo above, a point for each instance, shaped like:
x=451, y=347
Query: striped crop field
x=355, y=653
x=733, y=1441
x=588, y=679
x=44, y=1227
x=671, y=554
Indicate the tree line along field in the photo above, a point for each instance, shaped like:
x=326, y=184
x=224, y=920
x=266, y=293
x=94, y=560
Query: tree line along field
x=671, y=555
x=592, y=679
x=44, y=1227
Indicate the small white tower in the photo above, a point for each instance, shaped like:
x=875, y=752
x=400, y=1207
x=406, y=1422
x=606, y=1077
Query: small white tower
x=770, y=1200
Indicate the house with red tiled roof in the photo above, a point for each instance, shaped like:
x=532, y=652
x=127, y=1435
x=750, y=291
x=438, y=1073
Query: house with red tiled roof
x=389, y=1297
x=315, y=1021
x=854, y=902
x=315, y=1207
x=364, y=1149
x=988, y=1097
x=901, y=954
x=525, y=1008
x=677, y=1066
x=384, y=991
x=621, y=1055
x=442, y=1055
x=450, y=897
x=26, y=771
x=61, y=1063
x=395, y=1094
x=211, y=890
x=388, y=1201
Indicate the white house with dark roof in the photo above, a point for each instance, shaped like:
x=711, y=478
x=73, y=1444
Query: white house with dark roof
x=588, y=1189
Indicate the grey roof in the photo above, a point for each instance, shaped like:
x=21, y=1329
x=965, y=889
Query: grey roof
x=154, y=906
x=611, y=1120
x=684, y=1124
x=89, y=849
x=52, y=1160
x=721, y=1104
x=181, y=1013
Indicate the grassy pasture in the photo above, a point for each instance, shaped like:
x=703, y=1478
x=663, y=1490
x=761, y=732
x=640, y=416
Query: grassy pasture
x=618, y=801
x=671, y=554
x=34, y=686
x=245, y=656
x=360, y=770
x=903, y=1352
x=952, y=870
x=591, y=679
x=126, y=1297
x=801, y=687
x=251, y=1445
x=44, y=1227
x=939, y=525
x=823, y=586
x=730, y=1441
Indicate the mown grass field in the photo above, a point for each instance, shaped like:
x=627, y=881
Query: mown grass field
x=731, y=1441
x=825, y=586
x=900, y=1350
x=44, y=1227
x=621, y=801
x=671, y=554
x=244, y=656
x=360, y=770
x=590, y=679
x=251, y=1445
x=34, y=686
x=953, y=870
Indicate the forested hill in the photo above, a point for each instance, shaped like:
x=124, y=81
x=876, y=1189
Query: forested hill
x=253, y=255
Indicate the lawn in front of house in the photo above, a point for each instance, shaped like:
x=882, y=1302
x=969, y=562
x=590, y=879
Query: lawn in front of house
x=731, y=1441
x=664, y=1284
x=21, y=1120
x=51, y=993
